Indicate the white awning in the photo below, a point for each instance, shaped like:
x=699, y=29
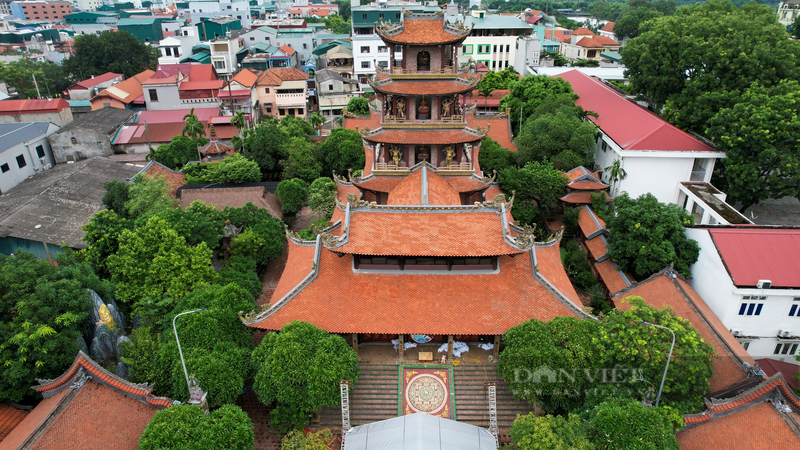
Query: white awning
x=419, y=432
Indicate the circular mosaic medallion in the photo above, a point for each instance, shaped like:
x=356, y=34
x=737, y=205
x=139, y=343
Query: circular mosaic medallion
x=426, y=393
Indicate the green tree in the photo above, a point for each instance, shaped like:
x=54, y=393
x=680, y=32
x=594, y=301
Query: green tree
x=343, y=150
x=492, y=156
x=154, y=260
x=293, y=195
x=299, y=440
x=185, y=427
x=232, y=169
x=96, y=55
x=299, y=370
x=616, y=173
x=267, y=146
x=646, y=236
x=337, y=25
x=101, y=235
x=197, y=223
x=759, y=138
x=268, y=229
x=563, y=139
x=530, y=92
x=117, y=193
x=51, y=78
x=147, y=365
x=242, y=271
x=147, y=195
x=297, y=127
x=300, y=162
x=43, y=310
x=322, y=196
x=628, y=424
x=539, y=182
x=795, y=28
x=358, y=106
x=498, y=80
x=344, y=9
x=629, y=25
x=530, y=432
x=317, y=121
x=176, y=154
x=239, y=121
x=703, y=58
x=194, y=130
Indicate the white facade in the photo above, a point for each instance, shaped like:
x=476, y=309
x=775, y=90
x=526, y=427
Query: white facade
x=237, y=9
x=87, y=5
x=655, y=172
x=27, y=158
x=223, y=55
x=787, y=12
x=263, y=35
x=758, y=332
x=159, y=97
x=180, y=45
x=367, y=50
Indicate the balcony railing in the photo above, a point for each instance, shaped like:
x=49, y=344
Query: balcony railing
x=456, y=121
x=289, y=100
x=446, y=70
x=199, y=100
x=464, y=168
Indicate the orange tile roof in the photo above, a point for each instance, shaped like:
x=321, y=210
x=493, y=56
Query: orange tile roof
x=427, y=234
x=379, y=184
x=372, y=122
x=590, y=42
x=33, y=420
x=580, y=198
x=342, y=301
x=174, y=179
x=467, y=184
x=597, y=247
x=500, y=132
x=662, y=291
x=10, y=417
x=757, y=427
x=409, y=190
x=589, y=223
x=423, y=31
x=587, y=186
x=289, y=51
x=274, y=77
x=440, y=192
x=429, y=87
x=607, y=41
x=579, y=172
x=609, y=26
x=613, y=279
x=583, y=31
x=549, y=261
x=298, y=266
x=245, y=77
x=431, y=137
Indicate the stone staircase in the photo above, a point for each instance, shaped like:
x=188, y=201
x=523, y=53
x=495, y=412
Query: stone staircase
x=374, y=397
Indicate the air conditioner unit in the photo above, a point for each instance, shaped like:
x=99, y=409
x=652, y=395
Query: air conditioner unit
x=764, y=284
x=784, y=333
x=736, y=331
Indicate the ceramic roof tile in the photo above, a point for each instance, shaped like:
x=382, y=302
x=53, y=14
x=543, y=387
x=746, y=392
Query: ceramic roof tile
x=467, y=184
x=580, y=198
x=174, y=179
x=613, y=279
x=500, y=132
x=757, y=427
x=589, y=223
x=597, y=247
x=587, y=186
x=423, y=31
x=298, y=266
x=437, y=137
x=583, y=31
x=380, y=184
x=426, y=234
x=129, y=90
x=609, y=26
x=549, y=262
x=33, y=421
x=10, y=417
x=578, y=172
x=408, y=191
x=274, y=77
x=429, y=87
x=342, y=301
x=440, y=192
x=245, y=77
x=660, y=291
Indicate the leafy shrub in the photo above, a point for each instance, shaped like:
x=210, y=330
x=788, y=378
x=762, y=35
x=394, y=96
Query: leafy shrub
x=299, y=440
x=176, y=154
x=293, y=195
x=322, y=195
x=525, y=212
x=570, y=219
x=530, y=432
x=242, y=271
x=492, y=156
x=300, y=162
x=233, y=169
x=342, y=150
x=358, y=106
x=628, y=424
x=265, y=227
x=186, y=427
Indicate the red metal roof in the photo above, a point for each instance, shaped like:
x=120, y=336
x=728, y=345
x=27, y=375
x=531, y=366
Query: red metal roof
x=752, y=254
x=94, y=81
x=176, y=115
x=788, y=370
x=202, y=72
x=201, y=85
x=32, y=106
x=628, y=124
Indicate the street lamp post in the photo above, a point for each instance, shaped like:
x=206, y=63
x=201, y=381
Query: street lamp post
x=185, y=373
x=669, y=357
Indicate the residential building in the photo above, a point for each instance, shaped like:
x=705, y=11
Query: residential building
x=89, y=28
x=368, y=48
x=299, y=39
x=241, y=89
x=54, y=110
x=266, y=56
x=608, y=31
x=57, y=418
x=127, y=94
x=207, y=9
x=334, y=91
x=5, y=7
x=24, y=151
x=146, y=29
x=89, y=135
x=153, y=128
x=86, y=5
x=338, y=59
x=750, y=277
x=217, y=27
x=500, y=42
x=707, y=205
x=176, y=48
x=85, y=17
x=86, y=89
x=281, y=92
x=543, y=26
x=787, y=12
x=224, y=51
x=182, y=86
x=40, y=10
x=416, y=203
x=642, y=142
x=584, y=44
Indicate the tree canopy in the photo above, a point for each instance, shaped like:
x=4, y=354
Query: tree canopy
x=185, y=426
x=293, y=195
x=343, y=150
x=51, y=78
x=358, y=106
x=98, y=54
x=492, y=156
x=629, y=24
x=176, y=154
x=322, y=196
x=299, y=370
x=759, y=137
x=701, y=59
x=530, y=92
x=535, y=181
x=647, y=235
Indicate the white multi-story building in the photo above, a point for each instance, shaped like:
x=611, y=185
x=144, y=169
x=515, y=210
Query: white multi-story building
x=787, y=12
x=223, y=55
x=175, y=48
x=207, y=9
x=500, y=42
x=750, y=278
x=24, y=151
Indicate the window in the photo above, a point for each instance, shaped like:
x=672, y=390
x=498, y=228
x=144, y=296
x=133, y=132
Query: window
x=484, y=48
x=364, y=49
x=167, y=51
x=74, y=140
x=365, y=64
x=266, y=90
x=153, y=95
x=330, y=87
x=466, y=49
x=382, y=49
x=794, y=311
x=785, y=349
x=229, y=6
x=21, y=161
x=495, y=48
x=220, y=65
x=397, y=16
x=4, y=168
x=494, y=64
x=745, y=344
x=363, y=17
x=305, y=46
x=752, y=305
x=40, y=151
x=604, y=146
x=508, y=48
x=252, y=38
x=380, y=16
x=383, y=64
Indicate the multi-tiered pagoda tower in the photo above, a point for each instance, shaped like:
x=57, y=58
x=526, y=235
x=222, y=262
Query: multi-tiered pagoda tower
x=421, y=243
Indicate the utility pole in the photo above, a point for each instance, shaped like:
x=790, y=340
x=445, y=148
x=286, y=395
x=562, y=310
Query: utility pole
x=38, y=95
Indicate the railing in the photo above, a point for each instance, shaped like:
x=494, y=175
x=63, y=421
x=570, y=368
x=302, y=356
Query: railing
x=390, y=166
x=442, y=120
x=455, y=167
x=283, y=100
x=446, y=70
x=200, y=100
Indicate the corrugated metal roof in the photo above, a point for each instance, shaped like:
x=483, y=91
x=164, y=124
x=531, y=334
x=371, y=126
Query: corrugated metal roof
x=752, y=254
x=12, y=134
